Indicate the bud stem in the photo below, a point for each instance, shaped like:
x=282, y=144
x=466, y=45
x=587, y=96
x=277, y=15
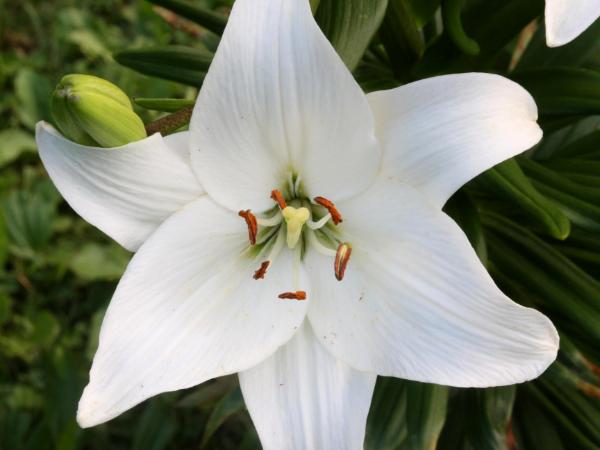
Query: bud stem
x=170, y=123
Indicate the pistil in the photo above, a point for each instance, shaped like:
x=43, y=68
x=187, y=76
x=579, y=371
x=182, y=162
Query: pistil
x=295, y=218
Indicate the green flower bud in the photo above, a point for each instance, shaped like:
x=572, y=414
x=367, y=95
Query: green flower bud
x=92, y=111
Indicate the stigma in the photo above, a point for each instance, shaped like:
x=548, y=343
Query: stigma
x=295, y=218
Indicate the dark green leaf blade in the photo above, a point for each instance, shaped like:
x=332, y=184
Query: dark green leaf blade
x=210, y=20
x=191, y=63
x=349, y=25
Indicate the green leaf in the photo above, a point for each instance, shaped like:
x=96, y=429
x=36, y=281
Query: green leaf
x=555, y=142
x=45, y=328
x=423, y=10
x=164, y=104
x=581, y=52
x=509, y=180
x=401, y=37
x=464, y=212
x=33, y=94
x=157, y=427
x=100, y=262
x=3, y=241
x=210, y=20
x=451, y=14
x=191, y=63
x=529, y=419
x=585, y=147
x=405, y=415
x=5, y=308
x=493, y=24
x=229, y=405
x=13, y=143
x=29, y=218
x=349, y=25
x=538, y=274
x=579, y=202
x=478, y=419
x=565, y=410
x=562, y=90
x=373, y=74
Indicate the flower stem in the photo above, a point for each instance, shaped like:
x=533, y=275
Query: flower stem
x=170, y=123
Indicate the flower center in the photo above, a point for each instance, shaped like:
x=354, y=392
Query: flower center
x=300, y=223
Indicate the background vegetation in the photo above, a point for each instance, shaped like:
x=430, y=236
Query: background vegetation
x=534, y=220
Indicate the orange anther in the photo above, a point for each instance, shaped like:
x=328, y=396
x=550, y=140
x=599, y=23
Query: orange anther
x=262, y=270
x=342, y=257
x=252, y=224
x=298, y=295
x=329, y=206
x=278, y=197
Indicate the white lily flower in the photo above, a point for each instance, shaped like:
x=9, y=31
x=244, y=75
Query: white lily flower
x=567, y=19
x=331, y=185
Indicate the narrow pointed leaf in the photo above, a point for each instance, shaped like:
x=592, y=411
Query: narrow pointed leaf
x=578, y=202
x=478, y=419
x=562, y=90
x=210, y=20
x=191, y=63
x=164, y=104
x=581, y=52
x=464, y=212
x=229, y=405
x=349, y=25
x=401, y=37
x=405, y=415
x=509, y=180
x=423, y=10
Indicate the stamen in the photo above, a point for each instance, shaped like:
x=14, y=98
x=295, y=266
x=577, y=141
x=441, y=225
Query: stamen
x=278, y=197
x=252, y=224
x=272, y=253
x=336, y=217
x=262, y=270
x=269, y=221
x=298, y=295
x=320, y=223
x=342, y=257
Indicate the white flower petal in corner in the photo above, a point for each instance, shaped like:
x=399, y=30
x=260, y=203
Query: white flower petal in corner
x=303, y=398
x=567, y=19
x=187, y=310
x=441, y=132
x=126, y=192
x=416, y=303
x=277, y=99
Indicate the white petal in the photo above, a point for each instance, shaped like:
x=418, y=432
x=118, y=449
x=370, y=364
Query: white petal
x=126, y=192
x=278, y=100
x=302, y=398
x=416, y=303
x=440, y=132
x=567, y=19
x=187, y=310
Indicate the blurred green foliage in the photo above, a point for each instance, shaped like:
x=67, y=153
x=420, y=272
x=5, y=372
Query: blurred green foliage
x=534, y=220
